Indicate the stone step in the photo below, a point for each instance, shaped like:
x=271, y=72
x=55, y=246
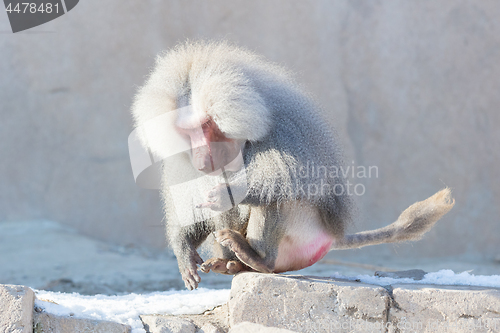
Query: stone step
x=314, y=304
x=272, y=303
x=16, y=309
x=49, y=323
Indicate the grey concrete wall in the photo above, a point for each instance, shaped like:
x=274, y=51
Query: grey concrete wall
x=411, y=86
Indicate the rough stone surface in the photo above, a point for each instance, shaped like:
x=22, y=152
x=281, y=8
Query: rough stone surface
x=457, y=309
x=209, y=328
x=415, y=274
x=167, y=324
x=307, y=304
x=16, y=309
x=217, y=317
x=211, y=321
x=49, y=323
x=247, y=327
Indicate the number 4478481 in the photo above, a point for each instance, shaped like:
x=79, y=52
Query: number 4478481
x=31, y=7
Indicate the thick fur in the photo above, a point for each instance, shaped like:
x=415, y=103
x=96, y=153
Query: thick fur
x=284, y=139
x=253, y=100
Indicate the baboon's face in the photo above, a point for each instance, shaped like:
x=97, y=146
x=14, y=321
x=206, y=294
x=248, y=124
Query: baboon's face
x=211, y=149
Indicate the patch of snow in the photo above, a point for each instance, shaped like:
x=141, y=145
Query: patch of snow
x=442, y=277
x=126, y=309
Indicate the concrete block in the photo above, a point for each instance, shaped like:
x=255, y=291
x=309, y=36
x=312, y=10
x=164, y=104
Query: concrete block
x=457, y=309
x=307, y=304
x=16, y=309
x=49, y=323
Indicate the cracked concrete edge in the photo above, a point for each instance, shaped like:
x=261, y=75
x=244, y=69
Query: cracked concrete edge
x=19, y=315
x=211, y=321
x=16, y=309
x=432, y=308
x=284, y=301
x=307, y=304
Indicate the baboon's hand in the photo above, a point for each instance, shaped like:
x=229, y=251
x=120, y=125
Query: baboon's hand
x=218, y=199
x=189, y=272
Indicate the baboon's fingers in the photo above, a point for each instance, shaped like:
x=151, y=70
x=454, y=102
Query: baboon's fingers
x=216, y=265
x=234, y=267
x=191, y=279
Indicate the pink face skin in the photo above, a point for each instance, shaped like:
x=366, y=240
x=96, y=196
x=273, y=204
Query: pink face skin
x=210, y=148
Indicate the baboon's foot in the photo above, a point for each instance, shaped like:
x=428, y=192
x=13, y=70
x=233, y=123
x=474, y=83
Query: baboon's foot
x=235, y=241
x=223, y=266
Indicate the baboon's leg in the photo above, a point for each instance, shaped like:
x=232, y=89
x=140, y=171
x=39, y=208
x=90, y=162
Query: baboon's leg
x=234, y=241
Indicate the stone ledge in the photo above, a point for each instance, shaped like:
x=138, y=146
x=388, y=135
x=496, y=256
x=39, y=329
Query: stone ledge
x=211, y=321
x=433, y=308
x=306, y=304
x=49, y=323
x=313, y=304
x=16, y=309
x=273, y=303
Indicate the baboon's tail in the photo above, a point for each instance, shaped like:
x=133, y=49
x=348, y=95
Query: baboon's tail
x=411, y=225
